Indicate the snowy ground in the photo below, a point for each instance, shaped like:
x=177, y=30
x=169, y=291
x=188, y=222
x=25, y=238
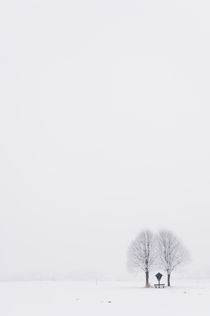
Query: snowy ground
x=105, y=298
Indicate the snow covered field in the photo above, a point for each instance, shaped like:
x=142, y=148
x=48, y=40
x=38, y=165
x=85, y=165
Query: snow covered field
x=62, y=298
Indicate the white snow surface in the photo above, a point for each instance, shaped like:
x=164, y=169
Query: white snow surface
x=80, y=298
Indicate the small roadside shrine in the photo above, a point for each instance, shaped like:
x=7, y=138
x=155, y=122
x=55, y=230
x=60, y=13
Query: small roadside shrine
x=159, y=285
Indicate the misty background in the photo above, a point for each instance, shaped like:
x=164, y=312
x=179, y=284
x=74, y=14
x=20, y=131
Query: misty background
x=104, y=131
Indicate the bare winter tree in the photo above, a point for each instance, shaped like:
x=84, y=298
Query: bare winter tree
x=171, y=251
x=141, y=254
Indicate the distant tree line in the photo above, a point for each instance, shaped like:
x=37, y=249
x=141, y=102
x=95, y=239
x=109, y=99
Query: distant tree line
x=149, y=250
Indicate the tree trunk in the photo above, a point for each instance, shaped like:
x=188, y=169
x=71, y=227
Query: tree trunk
x=147, y=279
x=169, y=279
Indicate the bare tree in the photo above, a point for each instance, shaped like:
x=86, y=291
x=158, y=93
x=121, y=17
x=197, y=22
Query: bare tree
x=171, y=251
x=141, y=254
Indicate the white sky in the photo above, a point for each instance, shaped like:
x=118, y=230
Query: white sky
x=104, y=131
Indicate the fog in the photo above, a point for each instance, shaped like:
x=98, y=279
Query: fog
x=104, y=131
